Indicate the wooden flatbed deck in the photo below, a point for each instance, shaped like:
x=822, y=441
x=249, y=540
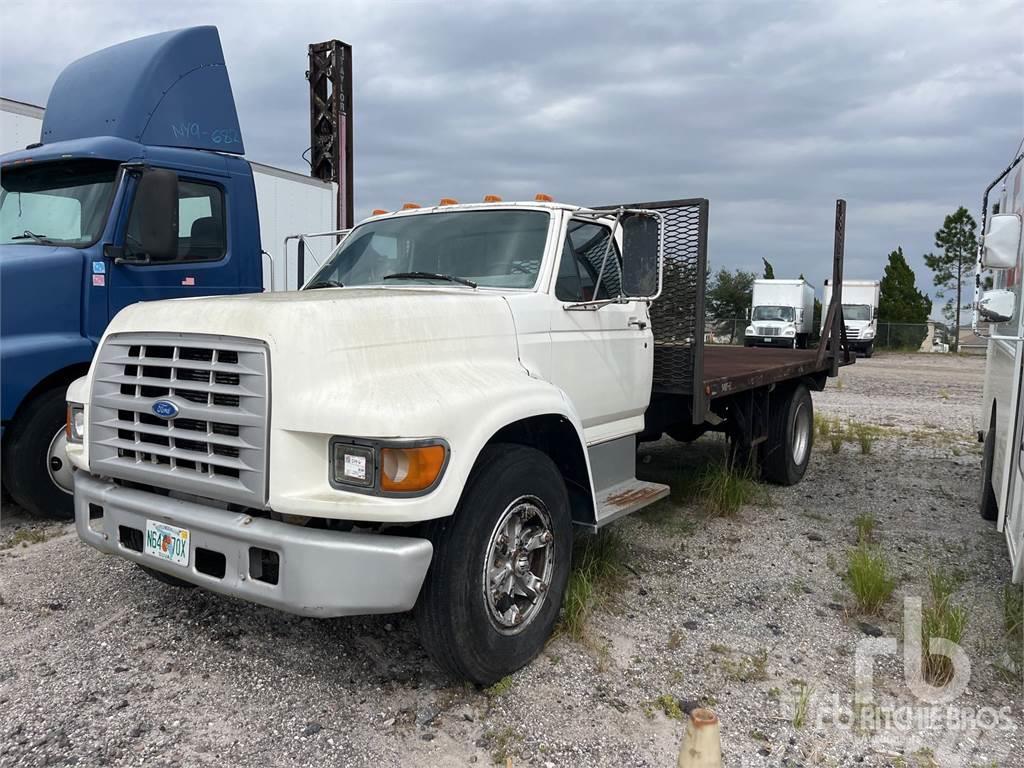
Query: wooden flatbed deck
x=730, y=369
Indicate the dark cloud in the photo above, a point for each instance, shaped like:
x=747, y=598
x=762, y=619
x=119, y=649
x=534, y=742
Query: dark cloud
x=771, y=110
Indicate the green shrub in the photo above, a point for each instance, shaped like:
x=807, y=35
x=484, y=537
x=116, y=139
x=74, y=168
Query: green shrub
x=867, y=573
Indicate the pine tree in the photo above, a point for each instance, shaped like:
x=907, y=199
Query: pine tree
x=952, y=267
x=900, y=302
x=769, y=271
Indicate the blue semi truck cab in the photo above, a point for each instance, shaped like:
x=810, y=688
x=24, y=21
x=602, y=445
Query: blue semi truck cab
x=137, y=191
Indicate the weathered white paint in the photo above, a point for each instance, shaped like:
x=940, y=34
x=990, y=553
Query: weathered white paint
x=414, y=361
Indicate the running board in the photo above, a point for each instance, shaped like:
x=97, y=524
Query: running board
x=625, y=498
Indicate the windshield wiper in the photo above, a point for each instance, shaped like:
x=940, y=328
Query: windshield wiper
x=27, y=234
x=323, y=284
x=429, y=276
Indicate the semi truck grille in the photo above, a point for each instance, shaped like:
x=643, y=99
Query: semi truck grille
x=766, y=330
x=215, y=443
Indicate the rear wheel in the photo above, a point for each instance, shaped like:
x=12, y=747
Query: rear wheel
x=501, y=563
x=34, y=462
x=787, y=451
x=987, y=505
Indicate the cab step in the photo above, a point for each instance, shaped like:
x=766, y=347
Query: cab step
x=627, y=497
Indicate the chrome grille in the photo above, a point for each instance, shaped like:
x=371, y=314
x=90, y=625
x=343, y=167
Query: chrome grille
x=852, y=333
x=766, y=330
x=216, y=444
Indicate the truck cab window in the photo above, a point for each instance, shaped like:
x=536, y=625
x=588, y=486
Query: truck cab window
x=201, y=224
x=64, y=203
x=580, y=265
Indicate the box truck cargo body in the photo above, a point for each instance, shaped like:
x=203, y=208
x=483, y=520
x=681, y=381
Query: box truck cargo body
x=781, y=315
x=860, y=313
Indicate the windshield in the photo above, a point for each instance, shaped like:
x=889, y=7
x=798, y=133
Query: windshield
x=56, y=203
x=856, y=312
x=785, y=314
x=498, y=249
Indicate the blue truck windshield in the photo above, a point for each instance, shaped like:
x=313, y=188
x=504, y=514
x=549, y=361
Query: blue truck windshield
x=496, y=249
x=63, y=203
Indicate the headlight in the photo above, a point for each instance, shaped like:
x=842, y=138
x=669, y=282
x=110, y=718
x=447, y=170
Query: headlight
x=75, y=427
x=354, y=465
x=749, y=331
x=867, y=333
x=387, y=468
x=789, y=331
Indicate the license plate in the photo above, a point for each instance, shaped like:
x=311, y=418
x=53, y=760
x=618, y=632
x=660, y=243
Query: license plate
x=767, y=338
x=167, y=542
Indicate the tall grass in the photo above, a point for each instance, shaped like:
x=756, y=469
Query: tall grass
x=1013, y=620
x=723, y=489
x=941, y=618
x=598, y=565
x=867, y=573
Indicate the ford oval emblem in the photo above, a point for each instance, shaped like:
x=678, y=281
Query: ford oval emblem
x=165, y=409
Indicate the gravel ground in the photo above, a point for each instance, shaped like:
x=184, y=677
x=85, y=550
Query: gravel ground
x=101, y=665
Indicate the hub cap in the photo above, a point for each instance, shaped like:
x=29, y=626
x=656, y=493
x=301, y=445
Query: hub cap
x=57, y=463
x=801, y=433
x=518, y=565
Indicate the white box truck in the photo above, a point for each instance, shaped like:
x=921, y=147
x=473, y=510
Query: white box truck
x=781, y=314
x=1002, y=415
x=422, y=425
x=860, y=313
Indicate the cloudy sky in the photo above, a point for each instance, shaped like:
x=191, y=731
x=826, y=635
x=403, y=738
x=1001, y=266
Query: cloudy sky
x=769, y=109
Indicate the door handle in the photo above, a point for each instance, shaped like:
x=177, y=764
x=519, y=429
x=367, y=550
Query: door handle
x=641, y=324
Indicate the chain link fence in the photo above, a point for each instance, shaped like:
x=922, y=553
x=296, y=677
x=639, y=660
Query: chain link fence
x=893, y=337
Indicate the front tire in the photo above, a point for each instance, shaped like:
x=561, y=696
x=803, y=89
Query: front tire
x=869, y=350
x=28, y=475
x=987, y=505
x=500, y=567
x=787, y=451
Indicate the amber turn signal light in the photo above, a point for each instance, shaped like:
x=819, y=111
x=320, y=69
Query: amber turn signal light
x=492, y=198
x=409, y=206
x=540, y=197
x=408, y=470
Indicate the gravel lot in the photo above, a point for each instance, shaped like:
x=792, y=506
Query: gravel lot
x=101, y=665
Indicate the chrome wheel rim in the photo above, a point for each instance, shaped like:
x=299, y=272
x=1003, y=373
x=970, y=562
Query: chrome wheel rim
x=518, y=565
x=801, y=433
x=57, y=463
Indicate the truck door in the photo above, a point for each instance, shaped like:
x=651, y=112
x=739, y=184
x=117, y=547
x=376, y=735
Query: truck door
x=203, y=265
x=602, y=358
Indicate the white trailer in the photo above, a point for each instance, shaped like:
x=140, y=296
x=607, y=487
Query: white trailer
x=781, y=315
x=860, y=313
x=1002, y=470
x=289, y=203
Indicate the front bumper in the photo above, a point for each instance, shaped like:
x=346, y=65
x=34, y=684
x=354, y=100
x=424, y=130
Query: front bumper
x=768, y=341
x=320, y=572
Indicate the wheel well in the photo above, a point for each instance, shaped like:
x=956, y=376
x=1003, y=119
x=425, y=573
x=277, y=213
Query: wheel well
x=554, y=436
x=63, y=377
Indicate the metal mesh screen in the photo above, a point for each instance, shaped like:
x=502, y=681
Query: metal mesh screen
x=677, y=317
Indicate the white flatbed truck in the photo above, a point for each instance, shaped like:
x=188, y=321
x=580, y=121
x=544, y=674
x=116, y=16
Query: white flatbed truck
x=422, y=426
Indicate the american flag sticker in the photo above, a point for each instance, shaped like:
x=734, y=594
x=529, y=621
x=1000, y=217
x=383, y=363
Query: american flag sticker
x=99, y=280
x=189, y=281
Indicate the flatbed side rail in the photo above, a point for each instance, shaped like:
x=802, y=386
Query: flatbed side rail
x=835, y=325
x=677, y=317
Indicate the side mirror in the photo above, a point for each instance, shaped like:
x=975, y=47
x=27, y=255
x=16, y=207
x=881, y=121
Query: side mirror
x=1002, y=242
x=996, y=306
x=641, y=256
x=156, y=211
